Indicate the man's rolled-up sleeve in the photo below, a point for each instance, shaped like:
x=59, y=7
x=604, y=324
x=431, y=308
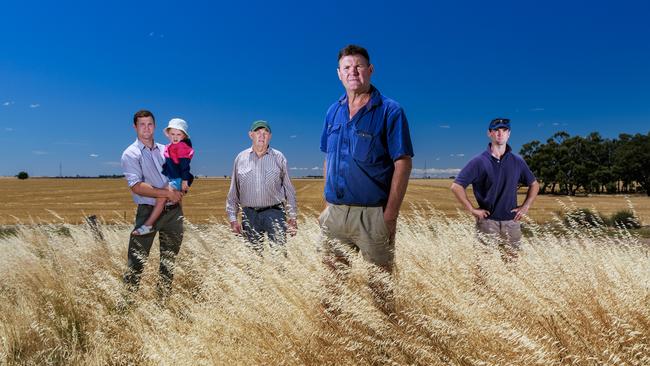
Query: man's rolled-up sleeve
x=132, y=169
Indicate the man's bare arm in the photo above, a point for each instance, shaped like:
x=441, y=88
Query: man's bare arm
x=398, y=186
x=461, y=196
x=533, y=190
x=324, y=180
x=147, y=190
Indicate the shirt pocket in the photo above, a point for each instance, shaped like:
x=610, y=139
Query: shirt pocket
x=246, y=176
x=362, y=145
x=272, y=177
x=333, y=133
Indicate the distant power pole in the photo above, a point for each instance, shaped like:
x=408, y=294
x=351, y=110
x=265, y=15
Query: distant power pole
x=425, y=169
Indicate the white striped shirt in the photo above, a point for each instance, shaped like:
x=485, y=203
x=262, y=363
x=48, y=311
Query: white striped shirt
x=260, y=182
x=142, y=164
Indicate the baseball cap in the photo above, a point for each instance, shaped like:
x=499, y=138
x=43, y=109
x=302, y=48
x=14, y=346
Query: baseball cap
x=178, y=124
x=260, y=124
x=499, y=123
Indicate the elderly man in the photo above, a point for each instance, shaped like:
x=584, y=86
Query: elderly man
x=368, y=145
x=260, y=184
x=495, y=176
x=142, y=164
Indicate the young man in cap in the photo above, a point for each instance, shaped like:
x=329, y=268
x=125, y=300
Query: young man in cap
x=495, y=176
x=142, y=164
x=260, y=184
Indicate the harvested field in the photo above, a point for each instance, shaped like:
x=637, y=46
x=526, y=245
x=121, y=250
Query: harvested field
x=69, y=200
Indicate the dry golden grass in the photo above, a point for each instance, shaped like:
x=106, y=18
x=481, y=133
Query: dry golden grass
x=72, y=199
x=574, y=297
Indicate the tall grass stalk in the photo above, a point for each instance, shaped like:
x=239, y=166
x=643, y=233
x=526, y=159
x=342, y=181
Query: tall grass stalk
x=574, y=296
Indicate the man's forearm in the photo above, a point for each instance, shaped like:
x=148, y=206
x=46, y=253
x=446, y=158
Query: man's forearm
x=461, y=196
x=325, y=182
x=533, y=190
x=398, y=186
x=147, y=190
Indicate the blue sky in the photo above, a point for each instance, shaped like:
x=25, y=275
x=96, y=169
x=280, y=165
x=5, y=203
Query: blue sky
x=73, y=73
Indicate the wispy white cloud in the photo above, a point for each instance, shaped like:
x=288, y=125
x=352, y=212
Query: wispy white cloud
x=297, y=168
x=34, y=105
x=435, y=172
x=537, y=109
x=317, y=168
x=151, y=34
x=457, y=155
x=9, y=129
x=39, y=152
x=555, y=124
x=541, y=124
x=94, y=155
x=8, y=103
x=293, y=136
x=444, y=126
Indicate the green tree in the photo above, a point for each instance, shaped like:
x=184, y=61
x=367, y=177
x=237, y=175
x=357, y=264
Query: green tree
x=22, y=175
x=632, y=158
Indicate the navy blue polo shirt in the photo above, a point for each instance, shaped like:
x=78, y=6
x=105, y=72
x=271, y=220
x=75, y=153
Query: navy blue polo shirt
x=361, y=151
x=495, y=181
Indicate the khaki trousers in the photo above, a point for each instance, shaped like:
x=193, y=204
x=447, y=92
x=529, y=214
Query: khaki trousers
x=358, y=228
x=508, y=231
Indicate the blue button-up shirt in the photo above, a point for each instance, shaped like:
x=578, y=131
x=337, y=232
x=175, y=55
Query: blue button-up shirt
x=361, y=151
x=495, y=181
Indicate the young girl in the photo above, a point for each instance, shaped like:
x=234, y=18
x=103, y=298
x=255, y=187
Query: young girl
x=178, y=154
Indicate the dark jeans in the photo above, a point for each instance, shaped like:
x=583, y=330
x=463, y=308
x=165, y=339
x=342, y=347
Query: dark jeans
x=170, y=227
x=270, y=222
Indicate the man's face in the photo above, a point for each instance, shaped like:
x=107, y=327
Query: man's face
x=354, y=72
x=144, y=128
x=260, y=137
x=499, y=136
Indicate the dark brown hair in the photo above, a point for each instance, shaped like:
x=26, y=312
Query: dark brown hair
x=351, y=50
x=141, y=114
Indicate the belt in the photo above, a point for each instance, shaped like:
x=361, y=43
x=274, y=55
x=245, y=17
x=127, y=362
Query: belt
x=170, y=207
x=260, y=209
x=165, y=208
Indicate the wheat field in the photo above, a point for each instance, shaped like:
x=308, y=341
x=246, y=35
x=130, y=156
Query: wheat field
x=70, y=200
x=574, y=297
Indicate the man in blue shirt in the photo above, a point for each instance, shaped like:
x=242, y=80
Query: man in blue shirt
x=368, y=146
x=495, y=176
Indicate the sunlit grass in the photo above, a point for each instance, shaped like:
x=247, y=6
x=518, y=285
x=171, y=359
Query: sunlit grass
x=575, y=296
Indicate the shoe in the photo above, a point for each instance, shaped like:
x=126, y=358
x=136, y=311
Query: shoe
x=142, y=230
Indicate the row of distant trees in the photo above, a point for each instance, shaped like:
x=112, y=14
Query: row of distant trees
x=568, y=164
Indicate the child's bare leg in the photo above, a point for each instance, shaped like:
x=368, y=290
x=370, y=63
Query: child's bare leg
x=155, y=214
x=157, y=210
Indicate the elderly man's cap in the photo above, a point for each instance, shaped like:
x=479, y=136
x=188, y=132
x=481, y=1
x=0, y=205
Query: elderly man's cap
x=260, y=124
x=499, y=123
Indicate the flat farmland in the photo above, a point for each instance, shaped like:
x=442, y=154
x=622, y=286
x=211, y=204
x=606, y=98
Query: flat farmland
x=54, y=200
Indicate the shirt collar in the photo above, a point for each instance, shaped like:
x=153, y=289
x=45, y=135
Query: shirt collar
x=142, y=146
x=268, y=151
x=489, y=150
x=375, y=98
